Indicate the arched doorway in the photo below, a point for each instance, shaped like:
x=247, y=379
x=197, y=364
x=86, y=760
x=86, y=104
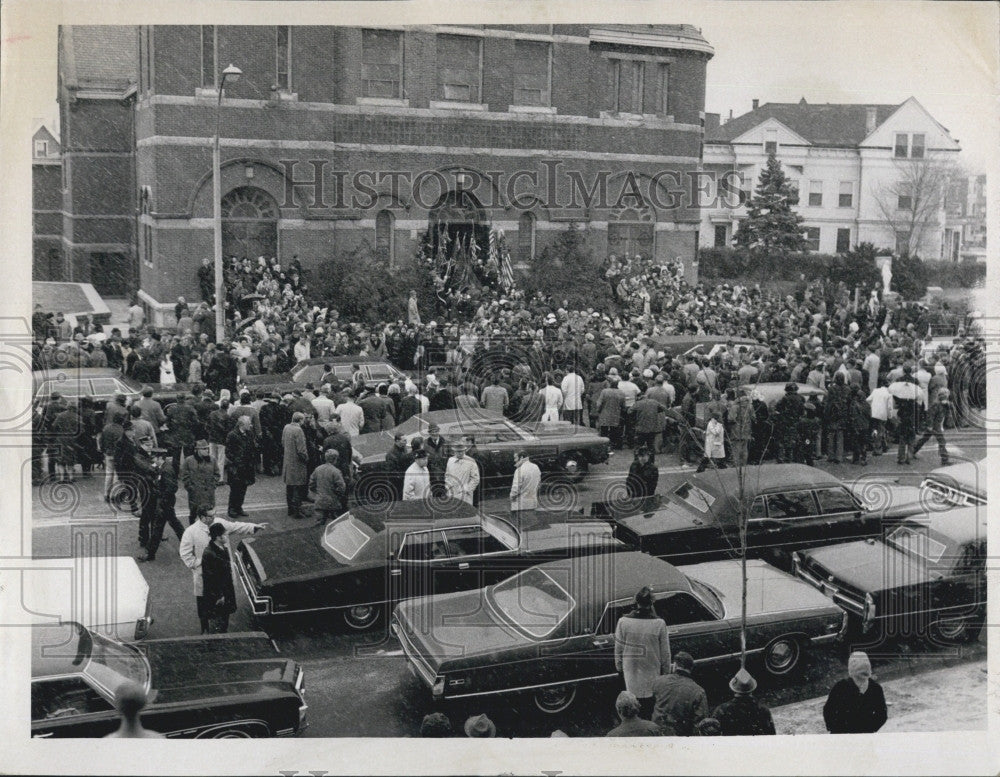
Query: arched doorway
x=459, y=235
x=631, y=231
x=249, y=223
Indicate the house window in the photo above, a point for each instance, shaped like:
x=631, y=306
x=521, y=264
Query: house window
x=385, y=236
x=209, y=47
x=902, y=142
x=917, y=146
x=846, y=198
x=147, y=229
x=625, y=85
x=381, y=63
x=532, y=84
x=663, y=90
x=903, y=242
x=812, y=238
x=41, y=148
x=748, y=180
x=283, y=58
x=816, y=193
x=460, y=68
x=843, y=240
x=771, y=142
x=904, y=202
x=721, y=236
x=526, y=237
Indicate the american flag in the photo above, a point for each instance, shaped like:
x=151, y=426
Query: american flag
x=506, y=271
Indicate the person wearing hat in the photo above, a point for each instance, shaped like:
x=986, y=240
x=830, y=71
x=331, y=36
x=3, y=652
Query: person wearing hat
x=294, y=469
x=130, y=700
x=437, y=458
x=743, y=715
x=217, y=581
x=461, y=475
x=165, y=496
x=146, y=471
x=480, y=726
x=679, y=702
x=643, y=474
x=856, y=704
x=435, y=725
x=417, y=479
x=197, y=473
x=940, y=412
x=787, y=413
x=642, y=649
x=629, y=709
x=397, y=461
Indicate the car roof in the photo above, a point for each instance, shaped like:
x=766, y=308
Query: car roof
x=438, y=513
x=338, y=360
x=961, y=524
x=82, y=372
x=53, y=649
x=464, y=418
x=615, y=576
x=766, y=478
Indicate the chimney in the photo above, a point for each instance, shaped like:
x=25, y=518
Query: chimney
x=756, y=103
x=711, y=124
x=871, y=119
x=730, y=115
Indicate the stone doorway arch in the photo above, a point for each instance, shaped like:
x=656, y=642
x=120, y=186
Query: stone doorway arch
x=249, y=223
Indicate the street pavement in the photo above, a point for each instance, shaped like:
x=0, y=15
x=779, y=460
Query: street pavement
x=343, y=669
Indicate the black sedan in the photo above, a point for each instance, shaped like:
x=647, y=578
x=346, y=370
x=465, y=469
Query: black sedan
x=557, y=447
x=927, y=577
x=373, y=372
x=787, y=507
x=552, y=627
x=222, y=686
x=372, y=557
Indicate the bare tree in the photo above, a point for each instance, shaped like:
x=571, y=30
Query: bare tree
x=912, y=202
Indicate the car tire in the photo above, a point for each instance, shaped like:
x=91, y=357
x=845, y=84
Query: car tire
x=232, y=733
x=957, y=631
x=554, y=699
x=782, y=655
x=362, y=617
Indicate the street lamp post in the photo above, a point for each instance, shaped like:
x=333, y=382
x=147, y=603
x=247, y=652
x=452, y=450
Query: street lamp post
x=233, y=73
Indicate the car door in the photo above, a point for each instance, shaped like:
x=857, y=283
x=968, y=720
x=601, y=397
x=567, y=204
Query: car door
x=792, y=519
x=69, y=707
x=411, y=568
x=842, y=516
x=475, y=559
x=693, y=628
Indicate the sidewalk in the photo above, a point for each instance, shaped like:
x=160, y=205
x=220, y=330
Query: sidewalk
x=950, y=699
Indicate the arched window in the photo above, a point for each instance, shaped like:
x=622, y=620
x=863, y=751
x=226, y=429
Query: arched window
x=385, y=242
x=526, y=236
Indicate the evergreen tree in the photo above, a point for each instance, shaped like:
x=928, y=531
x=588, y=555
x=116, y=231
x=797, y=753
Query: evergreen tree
x=771, y=226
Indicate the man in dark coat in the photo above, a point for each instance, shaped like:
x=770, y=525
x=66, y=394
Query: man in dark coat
x=198, y=476
x=787, y=413
x=378, y=410
x=166, y=498
x=437, y=458
x=217, y=581
x=679, y=702
x=241, y=464
x=294, y=470
x=856, y=705
x=273, y=418
x=743, y=715
x=337, y=440
x=397, y=461
x=647, y=421
x=642, y=474
x=409, y=405
x=182, y=423
x=147, y=474
x=220, y=424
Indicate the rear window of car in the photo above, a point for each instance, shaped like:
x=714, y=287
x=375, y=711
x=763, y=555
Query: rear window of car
x=917, y=542
x=793, y=504
x=380, y=371
x=346, y=537
x=311, y=373
x=104, y=386
x=68, y=388
x=835, y=500
x=697, y=498
x=533, y=601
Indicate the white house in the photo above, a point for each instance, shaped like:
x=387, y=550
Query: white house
x=864, y=173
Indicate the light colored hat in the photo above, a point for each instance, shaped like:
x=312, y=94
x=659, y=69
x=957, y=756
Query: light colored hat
x=743, y=682
x=480, y=726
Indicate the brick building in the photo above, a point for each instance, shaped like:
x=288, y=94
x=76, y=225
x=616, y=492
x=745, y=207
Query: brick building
x=335, y=136
x=46, y=205
x=97, y=74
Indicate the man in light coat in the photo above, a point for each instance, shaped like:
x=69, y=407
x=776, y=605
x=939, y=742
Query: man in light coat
x=294, y=469
x=642, y=649
x=193, y=543
x=553, y=399
x=572, y=391
x=352, y=416
x=461, y=475
x=524, y=489
x=417, y=480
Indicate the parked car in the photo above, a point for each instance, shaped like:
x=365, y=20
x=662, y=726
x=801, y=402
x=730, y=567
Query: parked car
x=957, y=484
x=557, y=447
x=368, y=559
x=233, y=686
x=373, y=371
x=550, y=628
x=788, y=506
x=107, y=594
x=100, y=384
x=708, y=345
x=928, y=576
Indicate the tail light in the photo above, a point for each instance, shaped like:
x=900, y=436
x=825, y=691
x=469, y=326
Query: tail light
x=437, y=690
x=869, y=611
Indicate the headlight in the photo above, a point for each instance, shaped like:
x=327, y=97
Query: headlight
x=796, y=562
x=142, y=627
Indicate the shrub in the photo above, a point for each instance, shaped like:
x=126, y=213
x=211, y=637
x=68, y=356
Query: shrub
x=955, y=275
x=909, y=277
x=568, y=269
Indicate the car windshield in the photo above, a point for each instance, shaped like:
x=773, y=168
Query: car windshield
x=412, y=425
x=501, y=530
x=915, y=541
x=708, y=597
x=112, y=663
x=346, y=536
x=694, y=496
x=533, y=602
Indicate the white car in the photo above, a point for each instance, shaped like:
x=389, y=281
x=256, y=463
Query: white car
x=107, y=594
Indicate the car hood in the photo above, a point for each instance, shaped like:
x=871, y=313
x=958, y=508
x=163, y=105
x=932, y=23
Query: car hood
x=542, y=537
x=769, y=590
x=890, y=500
x=185, y=669
x=289, y=555
x=372, y=447
x=559, y=429
x=669, y=517
x=870, y=566
x=450, y=627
